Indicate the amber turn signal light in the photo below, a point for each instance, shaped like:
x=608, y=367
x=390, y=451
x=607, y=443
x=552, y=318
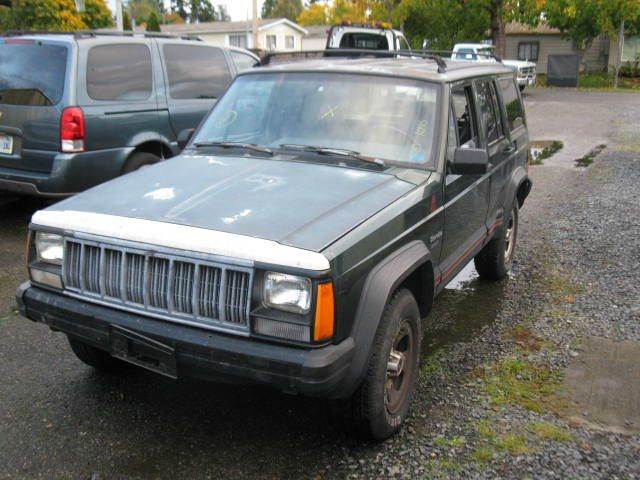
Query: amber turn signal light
x=323, y=328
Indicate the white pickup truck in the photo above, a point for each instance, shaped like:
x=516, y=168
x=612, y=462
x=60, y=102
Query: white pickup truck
x=479, y=52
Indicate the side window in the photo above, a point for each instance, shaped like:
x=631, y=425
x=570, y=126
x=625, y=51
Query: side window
x=404, y=45
x=462, y=100
x=243, y=61
x=119, y=72
x=489, y=111
x=512, y=103
x=196, y=71
x=452, y=136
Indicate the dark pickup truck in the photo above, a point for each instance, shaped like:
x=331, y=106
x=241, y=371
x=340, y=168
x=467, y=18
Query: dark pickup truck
x=301, y=237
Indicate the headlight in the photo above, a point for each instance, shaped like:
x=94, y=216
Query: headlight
x=49, y=248
x=287, y=292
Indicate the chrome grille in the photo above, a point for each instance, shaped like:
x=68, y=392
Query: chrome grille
x=159, y=284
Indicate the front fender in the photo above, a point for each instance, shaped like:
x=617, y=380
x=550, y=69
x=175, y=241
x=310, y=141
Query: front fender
x=380, y=284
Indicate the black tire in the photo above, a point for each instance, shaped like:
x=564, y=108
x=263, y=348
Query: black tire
x=138, y=160
x=379, y=407
x=96, y=358
x=494, y=261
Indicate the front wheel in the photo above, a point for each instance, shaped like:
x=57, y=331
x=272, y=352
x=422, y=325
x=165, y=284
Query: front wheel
x=379, y=407
x=494, y=261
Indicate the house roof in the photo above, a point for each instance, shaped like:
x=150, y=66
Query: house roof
x=515, y=28
x=228, y=27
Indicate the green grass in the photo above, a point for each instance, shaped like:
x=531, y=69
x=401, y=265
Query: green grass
x=598, y=81
x=549, y=431
x=548, y=150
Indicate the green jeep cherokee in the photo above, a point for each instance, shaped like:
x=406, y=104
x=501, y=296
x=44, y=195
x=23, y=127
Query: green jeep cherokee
x=300, y=237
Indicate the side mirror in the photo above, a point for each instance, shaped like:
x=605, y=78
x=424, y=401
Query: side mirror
x=184, y=136
x=470, y=161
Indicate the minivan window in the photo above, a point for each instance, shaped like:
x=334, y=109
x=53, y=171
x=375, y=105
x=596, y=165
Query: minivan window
x=31, y=73
x=120, y=72
x=243, y=61
x=196, y=71
x=515, y=112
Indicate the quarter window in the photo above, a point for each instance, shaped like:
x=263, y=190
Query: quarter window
x=488, y=110
x=119, y=72
x=528, y=51
x=512, y=103
x=462, y=100
x=196, y=71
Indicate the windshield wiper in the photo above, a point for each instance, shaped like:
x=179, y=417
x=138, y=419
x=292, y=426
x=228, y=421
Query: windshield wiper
x=343, y=152
x=242, y=145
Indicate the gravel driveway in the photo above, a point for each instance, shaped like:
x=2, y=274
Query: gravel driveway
x=493, y=401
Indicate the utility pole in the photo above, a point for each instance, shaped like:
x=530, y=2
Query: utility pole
x=119, y=21
x=619, y=53
x=255, y=24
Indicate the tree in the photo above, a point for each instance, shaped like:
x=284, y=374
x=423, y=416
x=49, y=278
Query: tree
x=96, y=14
x=267, y=8
x=223, y=15
x=126, y=21
x=172, y=17
x=289, y=9
x=153, y=25
x=314, y=14
x=178, y=6
x=51, y=15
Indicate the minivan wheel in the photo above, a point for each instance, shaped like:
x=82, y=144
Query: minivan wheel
x=494, y=261
x=137, y=160
x=381, y=403
x=96, y=358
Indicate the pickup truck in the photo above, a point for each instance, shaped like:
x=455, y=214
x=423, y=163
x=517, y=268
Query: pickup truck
x=301, y=237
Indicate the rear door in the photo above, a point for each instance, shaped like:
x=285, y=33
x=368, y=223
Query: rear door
x=196, y=76
x=33, y=90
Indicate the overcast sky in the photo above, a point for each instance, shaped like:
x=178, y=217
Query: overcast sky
x=238, y=9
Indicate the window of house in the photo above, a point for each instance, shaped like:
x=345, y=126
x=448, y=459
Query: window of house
x=512, y=103
x=462, y=101
x=489, y=111
x=119, y=72
x=196, y=71
x=238, y=40
x=272, y=42
x=528, y=51
x=289, y=41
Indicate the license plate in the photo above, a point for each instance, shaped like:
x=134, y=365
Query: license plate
x=143, y=351
x=6, y=144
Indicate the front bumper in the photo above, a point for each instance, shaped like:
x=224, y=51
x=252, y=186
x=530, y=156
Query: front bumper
x=198, y=353
x=70, y=172
x=528, y=81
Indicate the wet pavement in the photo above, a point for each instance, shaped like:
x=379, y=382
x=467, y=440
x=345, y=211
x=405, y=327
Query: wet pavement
x=59, y=418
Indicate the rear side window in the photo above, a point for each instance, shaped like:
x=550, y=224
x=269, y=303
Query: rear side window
x=119, y=72
x=488, y=110
x=462, y=100
x=243, y=61
x=196, y=71
x=31, y=73
x=515, y=112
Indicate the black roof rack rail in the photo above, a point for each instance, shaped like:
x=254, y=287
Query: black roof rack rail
x=98, y=33
x=354, y=53
x=450, y=53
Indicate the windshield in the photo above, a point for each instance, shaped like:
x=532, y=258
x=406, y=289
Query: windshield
x=383, y=118
x=31, y=73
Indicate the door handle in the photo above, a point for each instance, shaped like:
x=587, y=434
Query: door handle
x=509, y=149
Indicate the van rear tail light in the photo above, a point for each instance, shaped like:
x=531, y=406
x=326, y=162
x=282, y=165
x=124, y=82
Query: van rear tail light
x=72, y=130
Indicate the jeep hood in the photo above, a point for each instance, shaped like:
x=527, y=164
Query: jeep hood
x=300, y=204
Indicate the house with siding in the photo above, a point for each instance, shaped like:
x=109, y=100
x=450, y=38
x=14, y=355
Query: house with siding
x=536, y=44
x=274, y=34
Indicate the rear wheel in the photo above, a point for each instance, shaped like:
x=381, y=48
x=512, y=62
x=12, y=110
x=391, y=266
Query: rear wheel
x=379, y=407
x=138, y=160
x=494, y=261
x=96, y=358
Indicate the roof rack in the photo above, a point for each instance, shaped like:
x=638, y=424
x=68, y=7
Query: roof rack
x=97, y=33
x=353, y=53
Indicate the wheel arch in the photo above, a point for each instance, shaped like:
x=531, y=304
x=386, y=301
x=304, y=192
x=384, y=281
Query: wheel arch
x=158, y=148
x=408, y=267
x=519, y=188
